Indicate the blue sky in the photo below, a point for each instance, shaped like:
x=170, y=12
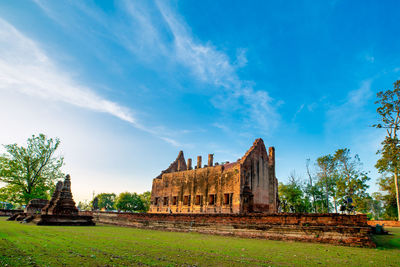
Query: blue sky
x=125, y=85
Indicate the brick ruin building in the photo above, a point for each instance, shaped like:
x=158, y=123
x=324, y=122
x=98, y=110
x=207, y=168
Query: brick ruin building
x=248, y=185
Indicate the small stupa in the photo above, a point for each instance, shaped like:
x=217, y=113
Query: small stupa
x=61, y=209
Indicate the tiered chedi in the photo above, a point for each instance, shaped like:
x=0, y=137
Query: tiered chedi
x=61, y=209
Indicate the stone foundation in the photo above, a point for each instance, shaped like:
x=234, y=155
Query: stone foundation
x=348, y=230
x=384, y=223
x=9, y=212
x=72, y=220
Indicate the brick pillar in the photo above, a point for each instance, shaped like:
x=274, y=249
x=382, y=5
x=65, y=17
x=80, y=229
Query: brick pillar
x=271, y=156
x=189, y=164
x=210, y=160
x=179, y=166
x=198, y=162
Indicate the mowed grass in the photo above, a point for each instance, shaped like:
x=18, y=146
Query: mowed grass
x=103, y=245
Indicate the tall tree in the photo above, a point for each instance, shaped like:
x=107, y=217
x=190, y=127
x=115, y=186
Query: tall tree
x=84, y=205
x=106, y=201
x=389, y=111
x=30, y=172
x=351, y=180
x=310, y=189
x=292, y=196
x=145, y=197
x=387, y=197
x=129, y=202
x=327, y=179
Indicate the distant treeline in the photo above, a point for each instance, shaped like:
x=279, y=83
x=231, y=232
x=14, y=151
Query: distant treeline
x=128, y=202
x=337, y=183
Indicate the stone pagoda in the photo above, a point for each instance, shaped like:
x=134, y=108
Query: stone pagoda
x=61, y=209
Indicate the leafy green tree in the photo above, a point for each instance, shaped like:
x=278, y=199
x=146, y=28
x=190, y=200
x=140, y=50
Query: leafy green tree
x=351, y=181
x=387, y=197
x=30, y=172
x=292, y=197
x=106, y=201
x=389, y=111
x=145, y=197
x=84, y=205
x=327, y=180
x=130, y=202
x=310, y=189
x=372, y=206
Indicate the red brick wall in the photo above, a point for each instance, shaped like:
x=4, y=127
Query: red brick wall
x=385, y=223
x=351, y=230
x=9, y=212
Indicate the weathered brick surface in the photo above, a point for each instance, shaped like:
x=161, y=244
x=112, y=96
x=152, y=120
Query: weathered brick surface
x=350, y=230
x=384, y=222
x=245, y=186
x=9, y=212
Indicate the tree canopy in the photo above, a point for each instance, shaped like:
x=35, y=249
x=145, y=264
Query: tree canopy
x=389, y=111
x=30, y=172
x=292, y=196
x=106, y=201
x=130, y=202
x=337, y=178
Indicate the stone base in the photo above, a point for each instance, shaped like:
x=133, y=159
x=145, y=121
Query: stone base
x=14, y=216
x=66, y=220
x=347, y=230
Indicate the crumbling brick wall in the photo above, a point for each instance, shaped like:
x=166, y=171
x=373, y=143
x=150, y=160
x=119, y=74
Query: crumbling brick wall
x=349, y=230
x=245, y=186
x=385, y=223
x=8, y=213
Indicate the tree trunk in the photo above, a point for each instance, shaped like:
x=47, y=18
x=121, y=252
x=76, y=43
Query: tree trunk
x=334, y=200
x=327, y=198
x=396, y=184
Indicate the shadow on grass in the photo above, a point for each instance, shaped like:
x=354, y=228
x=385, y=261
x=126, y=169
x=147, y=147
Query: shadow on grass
x=390, y=241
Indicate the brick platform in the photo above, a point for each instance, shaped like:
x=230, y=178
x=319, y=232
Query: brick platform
x=384, y=222
x=348, y=230
x=9, y=213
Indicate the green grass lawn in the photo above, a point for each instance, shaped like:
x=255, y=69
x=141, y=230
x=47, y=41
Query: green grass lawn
x=102, y=245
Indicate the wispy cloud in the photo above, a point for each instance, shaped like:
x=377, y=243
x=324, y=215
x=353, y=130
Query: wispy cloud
x=212, y=66
x=26, y=68
x=351, y=108
x=297, y=112
x=156, y=33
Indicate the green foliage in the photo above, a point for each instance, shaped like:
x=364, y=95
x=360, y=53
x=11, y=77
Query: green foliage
x=387, y=197
x=30, y=172
x=338, y=177
x=373, y=207
x=106, y=201
x=292, y=197
x=389, y=111
x=145, y=197
x=327, y=179
x=130, y=202
x=351, y=181
x=84, y=205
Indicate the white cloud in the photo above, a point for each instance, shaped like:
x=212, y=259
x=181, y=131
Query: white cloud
x=351, y=110
x=214, y=67
x=25, y=67
x=156, y=35
x=241, y=59
x=297, y=112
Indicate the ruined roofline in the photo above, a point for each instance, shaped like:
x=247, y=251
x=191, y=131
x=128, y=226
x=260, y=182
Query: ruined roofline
x=270, y=154
x=225, y=166
x=180, y=164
